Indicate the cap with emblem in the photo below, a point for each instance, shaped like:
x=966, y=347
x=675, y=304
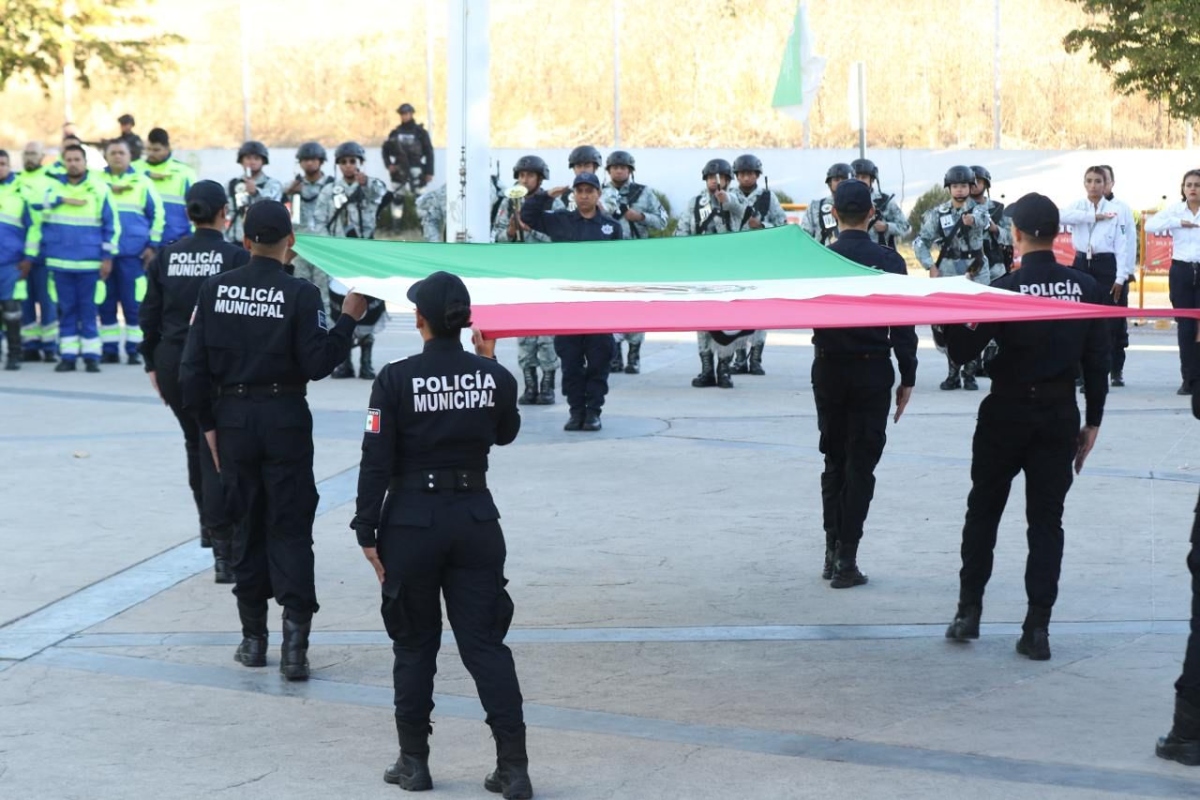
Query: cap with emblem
x=435, y=294
x=588, y=178
x=1034, y=214
x=852, y=197
x=207, y=197
x=267, y=222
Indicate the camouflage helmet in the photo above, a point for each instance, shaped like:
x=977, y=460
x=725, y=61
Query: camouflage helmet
x=311, y=150
x=864, y=166
x=717, y=166
x=619, y=158
x=959, y=174
x=349, y=150
x=531, y=164
x=253, y=148
x=838, y=172
x=585, y=154
x=981, y=174
x=747, y=163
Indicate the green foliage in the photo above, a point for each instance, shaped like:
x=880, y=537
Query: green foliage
x=783, y=197
x=672, y=223
x=934, y=197
x=1148, y=47
x=39, y=38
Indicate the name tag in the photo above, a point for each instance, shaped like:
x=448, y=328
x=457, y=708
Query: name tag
x=948, y=221
x=828, y=221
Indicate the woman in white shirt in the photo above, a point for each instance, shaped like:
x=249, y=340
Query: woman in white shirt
x=1181, y=221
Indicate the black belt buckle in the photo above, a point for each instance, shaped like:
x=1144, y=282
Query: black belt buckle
x=430, y=479
x=240, y=390
x=276, y=390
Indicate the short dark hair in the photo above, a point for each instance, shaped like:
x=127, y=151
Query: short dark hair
x=1191, y=173
x=1098, y=170
x=75, y=148
x=852, y=219
x=1040, y=241
x=159, y=136
x=3, y=154
x=110, y=142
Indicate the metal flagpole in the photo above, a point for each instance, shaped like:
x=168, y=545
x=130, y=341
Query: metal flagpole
x=429, y=10
x=245, y=46
x=616, y=40
x=468, y=122
x=996, y=81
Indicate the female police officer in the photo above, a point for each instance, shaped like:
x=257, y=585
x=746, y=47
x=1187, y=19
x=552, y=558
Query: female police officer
x=427, y=524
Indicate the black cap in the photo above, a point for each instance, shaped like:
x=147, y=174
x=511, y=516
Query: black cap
x=433, y=295
x=852, y=197
x=1034, y=214
x=267, y=222
x=210, y=193
x=125, y=119
x=405, y=108
x=586, y=177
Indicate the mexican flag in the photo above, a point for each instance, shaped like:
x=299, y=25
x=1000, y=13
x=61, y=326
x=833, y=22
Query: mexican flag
x=777, y=278
x=800, y=71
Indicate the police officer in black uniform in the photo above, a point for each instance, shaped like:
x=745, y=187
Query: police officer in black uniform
x=1030, y=423
x=586, y=358
x=173, y=281
x=852, y=380
x=408, y=150
x=427, y=524
x=258, y=336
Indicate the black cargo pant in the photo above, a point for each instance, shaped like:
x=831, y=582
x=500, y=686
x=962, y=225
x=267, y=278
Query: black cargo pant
x=266, y=452
x=1103, y=269
x=585, y=364
x=1183, y=283
x=202, y=473
x=853, y=395
x=1188, y=685
x=447, y=544
x=1039, y=437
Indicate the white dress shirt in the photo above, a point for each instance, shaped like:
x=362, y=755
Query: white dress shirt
x=1186, y=244
x=1091, y=236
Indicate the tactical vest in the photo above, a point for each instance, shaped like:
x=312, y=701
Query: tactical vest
x=702, y=216
x=825, y=218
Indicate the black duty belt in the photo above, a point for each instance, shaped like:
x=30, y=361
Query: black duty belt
x=261, y=389
x=822, y=353
x=1192, y=264
x=1052, y=390
x=441, y=480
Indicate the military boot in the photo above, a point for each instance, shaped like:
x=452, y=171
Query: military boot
x=723, y=372
x=706, y=377
x=546, y=395
x=12, y=332
x=830, y=557
x=591, y=420
x=365, y=370
x=970, y=369
x=1182, y=744
x=1118, y=378
x=530, y=395
x=574, y=420
x=618, y=363
x=845, y=568
x=252, y=652
x=222, y=549
x=293, y=660
x=344, y=369
x=952, y=380
x=1035, y=637
x=511, y=777
x=756, y=367
x=739, y=366
x=205, y=537
x=966, y=622
x=633, y=364
x=411, y=770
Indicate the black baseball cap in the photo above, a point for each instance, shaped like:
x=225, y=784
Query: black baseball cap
x=587, y=177
x=434, y=294
x=1034, y=214
x=125, y=119
x=405, y=108
x=267, y=222
x=852, y=197
x=209, y=193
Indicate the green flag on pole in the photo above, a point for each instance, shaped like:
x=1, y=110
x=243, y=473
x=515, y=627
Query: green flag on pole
x=801, y=70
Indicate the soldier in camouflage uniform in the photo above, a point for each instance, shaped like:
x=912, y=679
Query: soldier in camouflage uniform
x=431, y=210
x=302, y=194
x=957, y=227
x=584, y=158
x=818, y=220
x=639, y=211
x=763, y=210
x=888, y=224
x=253, y=187
x=997, y=242
x=348, y=207
x=715, y=210
x=532, y=351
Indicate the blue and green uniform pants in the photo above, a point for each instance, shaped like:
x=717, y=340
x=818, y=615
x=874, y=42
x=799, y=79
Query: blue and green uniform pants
x=78, y=334
x=39, y=314
x=126, y=287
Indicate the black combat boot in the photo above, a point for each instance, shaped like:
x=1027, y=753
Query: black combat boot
x=252, y=652
x=411, y=770
x=205, y=537
x=546, y=395
x=110, y=358
x=1035, y=639
x=365, y=370
x=293, y=657
x=530, y=396
x=845, y=568
x=90, y=365
x=511, y=777
x=133, y=359
x=724, y=370
x=756, y=367
x=830, y=558
x=574, y=421
x=952, y=380
x=1182, y=744
x=344, y=369
x=66, y=365
x=12, y=332
x=966, y=622
x=591, y=420
x=739, y=365
x=31, y=355
x=968, y=376
x=633, y=364
x=1118, y=378
x=618, y=363
x=706, y=377
x=222, y=548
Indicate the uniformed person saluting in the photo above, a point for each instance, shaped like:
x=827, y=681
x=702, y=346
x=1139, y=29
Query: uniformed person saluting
x=173, y=281
x=258, y=336
x=1029, y=423
x=819, y=220
x=852, y=380
x=427, y=524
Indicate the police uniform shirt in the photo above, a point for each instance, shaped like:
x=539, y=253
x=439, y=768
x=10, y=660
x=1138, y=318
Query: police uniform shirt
x=441, y=409
x=258, y=326
x=567, y=226
x=1048, y=351
x=173, y=282
x=1185, y=242
x=1094, y=237
x=858, y=247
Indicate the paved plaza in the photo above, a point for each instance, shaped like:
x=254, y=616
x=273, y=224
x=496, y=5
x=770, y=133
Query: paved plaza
x=672, y=635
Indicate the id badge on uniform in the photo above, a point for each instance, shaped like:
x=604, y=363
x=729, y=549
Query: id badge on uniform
x=828, y=222
x=948, y=221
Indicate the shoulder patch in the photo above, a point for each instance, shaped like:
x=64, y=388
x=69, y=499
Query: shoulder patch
x=372, y=424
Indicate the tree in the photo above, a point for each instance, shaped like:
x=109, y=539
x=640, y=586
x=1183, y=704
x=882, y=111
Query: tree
x=1150, y=47
x=43, y=39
